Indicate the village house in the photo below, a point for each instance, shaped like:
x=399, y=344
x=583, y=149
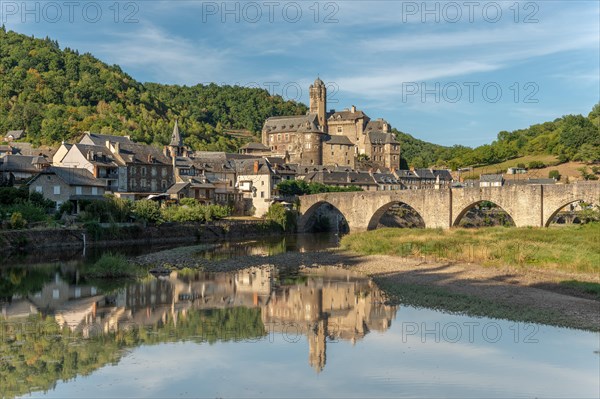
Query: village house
x=130, y=170
x=19, y=169
x=387, y=181
x=491, y=180
x=12, y=135
x=61, y=184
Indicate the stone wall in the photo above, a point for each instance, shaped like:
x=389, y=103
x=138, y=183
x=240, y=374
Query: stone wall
x=29, y=240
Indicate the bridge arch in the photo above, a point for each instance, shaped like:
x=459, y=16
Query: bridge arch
x=472, y=205
x=307, y=219
x=555, y=212
x=378, y=214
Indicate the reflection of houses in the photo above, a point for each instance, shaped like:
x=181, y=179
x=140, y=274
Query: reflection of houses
x=329, y=305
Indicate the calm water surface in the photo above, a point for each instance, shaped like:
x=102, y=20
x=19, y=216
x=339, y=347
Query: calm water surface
x=262, y=333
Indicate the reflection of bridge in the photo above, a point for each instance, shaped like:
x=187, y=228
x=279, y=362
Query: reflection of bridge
x=528, y=205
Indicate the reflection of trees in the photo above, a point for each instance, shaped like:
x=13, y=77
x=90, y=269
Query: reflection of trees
x=22, y=281
x=36, y=352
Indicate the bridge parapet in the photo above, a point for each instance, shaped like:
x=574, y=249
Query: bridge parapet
x=528, y=205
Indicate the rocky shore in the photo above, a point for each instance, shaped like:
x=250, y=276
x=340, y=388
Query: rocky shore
x=532, y=296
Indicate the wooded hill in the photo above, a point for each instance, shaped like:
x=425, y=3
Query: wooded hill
x=55, y=94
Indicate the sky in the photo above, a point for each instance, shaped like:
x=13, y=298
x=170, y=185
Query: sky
x=446, y=72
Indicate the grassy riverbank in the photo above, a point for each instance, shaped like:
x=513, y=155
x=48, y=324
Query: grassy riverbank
x=571, y=249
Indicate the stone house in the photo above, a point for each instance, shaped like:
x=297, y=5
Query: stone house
x=387, y=181
x=12, y=135
x=491, y=180
x=60, y=184
x=18, y=169
x=339, y=150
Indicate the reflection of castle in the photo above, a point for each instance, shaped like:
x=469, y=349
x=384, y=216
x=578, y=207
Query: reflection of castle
x=328, y=305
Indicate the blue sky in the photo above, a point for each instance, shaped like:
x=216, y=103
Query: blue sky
x=446, y=72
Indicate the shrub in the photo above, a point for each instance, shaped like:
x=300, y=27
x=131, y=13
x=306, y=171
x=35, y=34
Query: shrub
x=189, y=202
x=17, y=221
x=536, y=165
x=113, y=266
x=279, y=215
x=554, y=174
x=521, y=165
x=147, y=210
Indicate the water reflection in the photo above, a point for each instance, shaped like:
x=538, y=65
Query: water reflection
x=65, y=321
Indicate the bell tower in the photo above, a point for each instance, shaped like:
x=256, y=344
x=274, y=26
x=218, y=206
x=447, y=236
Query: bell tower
x=318, y=102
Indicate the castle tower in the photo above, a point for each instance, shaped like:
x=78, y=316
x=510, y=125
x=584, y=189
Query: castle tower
x=318, y=102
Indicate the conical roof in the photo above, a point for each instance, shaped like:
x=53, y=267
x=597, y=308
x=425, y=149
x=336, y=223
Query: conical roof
x=176, y=140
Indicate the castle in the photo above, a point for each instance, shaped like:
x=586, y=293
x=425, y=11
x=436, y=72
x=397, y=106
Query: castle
x=324, y=137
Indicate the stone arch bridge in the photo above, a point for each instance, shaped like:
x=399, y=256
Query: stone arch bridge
x=527, y=205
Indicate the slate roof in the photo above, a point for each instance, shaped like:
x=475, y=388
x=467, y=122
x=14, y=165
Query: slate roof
x=377, y=125
x=347, y=115
x=72, y=176
x=424, y=173
x=255, y=146
x=385, y=178
x=381, y=138
x=246, y=166
x=177, y=187
x=337, y=139
x=176, y=140
x=141, y=153
x=491, y=178
x=23, y=163
x=444, y=174
x=101, y=139
x=16, y=134
x=75, y=176
x=337, y=178
x=292, y=124
x=100, y=155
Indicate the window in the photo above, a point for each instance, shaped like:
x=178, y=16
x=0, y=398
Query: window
x=55, y=294
x=154, y=172
x=38, y=189
x=143, y=183
x=262, y=182
x=163, y=172
x=163, y=184
x=78, y=190
x=262, y=194
x=143, y=171
x=56, y=190
x=287, y=137
x=340, y=129
x=279, y=137
x=94, y=190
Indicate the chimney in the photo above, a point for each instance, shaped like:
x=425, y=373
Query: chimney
x=107, y=144
x=117, y=147
x=256, y=164
x=353, y=109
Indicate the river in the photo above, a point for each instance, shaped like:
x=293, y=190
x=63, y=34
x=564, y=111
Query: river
x=264, y=332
